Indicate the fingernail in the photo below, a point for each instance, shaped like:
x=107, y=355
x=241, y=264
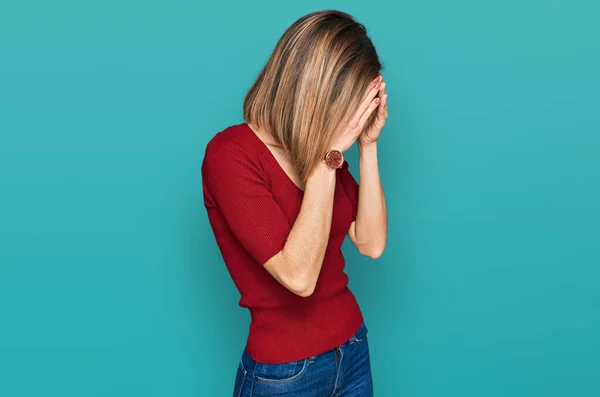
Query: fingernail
x=377, y=100
x=378, y=85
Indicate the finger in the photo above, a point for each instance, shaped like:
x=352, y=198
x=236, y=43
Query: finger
x=381, y=109
x=364, y=106
x=367, y=113
x=373, y=85
x=382, y=88
x=383, y=104
x=381, y=94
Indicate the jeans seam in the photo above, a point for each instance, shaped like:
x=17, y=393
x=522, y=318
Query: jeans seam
x=244, y=372
x=253, y=379
x=337, y=372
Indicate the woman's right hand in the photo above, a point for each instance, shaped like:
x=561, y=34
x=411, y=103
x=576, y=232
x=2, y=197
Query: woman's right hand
x=356, y=124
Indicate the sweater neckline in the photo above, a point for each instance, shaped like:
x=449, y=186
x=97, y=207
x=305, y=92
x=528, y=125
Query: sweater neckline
x=270, y=156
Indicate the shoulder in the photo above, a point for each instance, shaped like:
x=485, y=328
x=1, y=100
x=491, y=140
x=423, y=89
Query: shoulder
x=229, y=150
x=228, y=141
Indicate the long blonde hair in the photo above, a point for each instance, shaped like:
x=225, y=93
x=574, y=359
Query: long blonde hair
x=312, y=83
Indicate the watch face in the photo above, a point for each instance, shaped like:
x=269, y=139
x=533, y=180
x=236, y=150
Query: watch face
x=334, y=159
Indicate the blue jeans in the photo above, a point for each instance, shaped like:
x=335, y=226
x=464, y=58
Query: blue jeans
x=344, y=371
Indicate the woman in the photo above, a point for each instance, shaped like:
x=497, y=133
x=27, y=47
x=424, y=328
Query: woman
x=281, y=199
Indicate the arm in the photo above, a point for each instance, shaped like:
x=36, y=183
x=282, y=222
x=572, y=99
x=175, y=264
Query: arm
x=298, y=265
x=234, y=182
x=369, y=231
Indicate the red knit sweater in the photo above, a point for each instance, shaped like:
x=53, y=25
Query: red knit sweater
x=252, y=205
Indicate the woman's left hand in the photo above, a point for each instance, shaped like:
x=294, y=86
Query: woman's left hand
x=370, y=136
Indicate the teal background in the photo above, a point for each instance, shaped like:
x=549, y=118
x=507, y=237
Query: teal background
x=111, y=283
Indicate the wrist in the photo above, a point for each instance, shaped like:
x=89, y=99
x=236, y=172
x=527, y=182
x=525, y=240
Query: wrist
x=320, y=172
x=367, y=147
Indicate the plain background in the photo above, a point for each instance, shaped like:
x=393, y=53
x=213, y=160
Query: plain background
x=111, y=283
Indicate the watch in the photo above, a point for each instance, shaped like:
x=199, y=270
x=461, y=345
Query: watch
x=333, y=159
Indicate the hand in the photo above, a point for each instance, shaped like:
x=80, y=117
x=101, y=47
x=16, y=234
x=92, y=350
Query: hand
x=357, y=123
x=370, y=135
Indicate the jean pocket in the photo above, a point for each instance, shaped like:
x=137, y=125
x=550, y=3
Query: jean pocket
x=360, y=335
x=275, y=374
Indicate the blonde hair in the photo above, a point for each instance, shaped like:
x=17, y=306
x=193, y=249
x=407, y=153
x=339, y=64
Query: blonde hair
x=312, y=83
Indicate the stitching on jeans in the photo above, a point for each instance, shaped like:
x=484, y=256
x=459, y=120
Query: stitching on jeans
x=292, y=370
x=287, y=380
x=252, y=385
x=354, y=339
x=239, y=392
x=337, y=372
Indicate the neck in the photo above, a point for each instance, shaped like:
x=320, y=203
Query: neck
x=264, y=136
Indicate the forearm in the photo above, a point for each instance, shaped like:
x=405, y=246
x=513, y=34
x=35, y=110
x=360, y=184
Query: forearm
x=371, y=218
x=307, y=242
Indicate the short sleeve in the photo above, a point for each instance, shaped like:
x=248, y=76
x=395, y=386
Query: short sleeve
x=351, y=187
x=237, y=186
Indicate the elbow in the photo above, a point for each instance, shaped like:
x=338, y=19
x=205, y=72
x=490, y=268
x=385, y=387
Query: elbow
x=296, y=279
x=373, y=251
x=306, y=292
x=302, y=286
x=303, y=289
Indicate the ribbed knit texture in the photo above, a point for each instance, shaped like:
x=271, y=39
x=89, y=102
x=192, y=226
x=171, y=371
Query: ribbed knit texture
x=252, y=205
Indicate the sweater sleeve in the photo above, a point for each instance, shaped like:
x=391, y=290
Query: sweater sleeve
x=351, y=187
x=237, y=186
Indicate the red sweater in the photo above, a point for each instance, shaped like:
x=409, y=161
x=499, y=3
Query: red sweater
x=252, y=205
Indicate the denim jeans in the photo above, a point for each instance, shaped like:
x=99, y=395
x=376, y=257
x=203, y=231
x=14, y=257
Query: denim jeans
x=344, y=371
